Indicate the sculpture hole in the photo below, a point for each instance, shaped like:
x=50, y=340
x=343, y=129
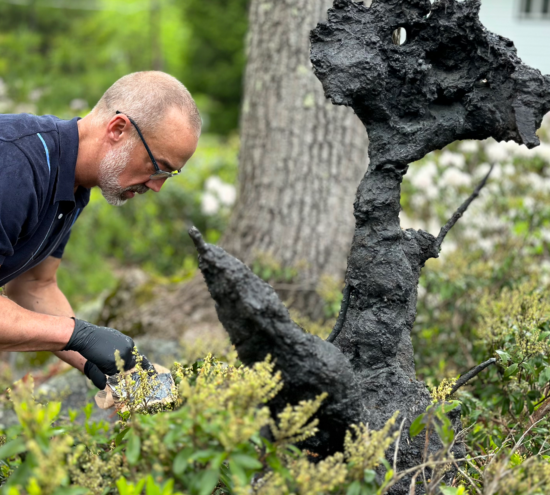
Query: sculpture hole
x=399, y=36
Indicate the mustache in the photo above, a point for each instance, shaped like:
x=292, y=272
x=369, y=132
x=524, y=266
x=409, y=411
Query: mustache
x=140, y=189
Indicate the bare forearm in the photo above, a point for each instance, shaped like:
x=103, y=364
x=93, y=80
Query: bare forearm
x=41, y=298
x=25, y=330
x=49, y=300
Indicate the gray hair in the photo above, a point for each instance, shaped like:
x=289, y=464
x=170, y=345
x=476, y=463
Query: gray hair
x=146, y=97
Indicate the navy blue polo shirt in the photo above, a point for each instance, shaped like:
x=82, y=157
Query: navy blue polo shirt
x=38, y=205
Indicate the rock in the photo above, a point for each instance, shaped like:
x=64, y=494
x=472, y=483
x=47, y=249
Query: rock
x=74, y=391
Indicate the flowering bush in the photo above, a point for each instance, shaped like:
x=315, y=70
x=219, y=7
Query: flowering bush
x=209, y=443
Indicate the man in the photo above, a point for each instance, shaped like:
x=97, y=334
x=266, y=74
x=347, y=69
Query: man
x=142, y=132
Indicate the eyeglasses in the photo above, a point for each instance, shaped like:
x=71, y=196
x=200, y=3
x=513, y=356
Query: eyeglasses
x=159, y=174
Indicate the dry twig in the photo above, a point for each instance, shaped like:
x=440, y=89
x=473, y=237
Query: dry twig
x=461, y=210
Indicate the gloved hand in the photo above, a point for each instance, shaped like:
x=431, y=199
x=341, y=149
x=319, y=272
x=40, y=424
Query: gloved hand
x=98, y=346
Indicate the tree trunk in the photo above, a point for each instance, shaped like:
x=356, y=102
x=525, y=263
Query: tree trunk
x=301, y=158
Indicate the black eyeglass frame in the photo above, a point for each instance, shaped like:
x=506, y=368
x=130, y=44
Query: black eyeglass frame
x=159, y=174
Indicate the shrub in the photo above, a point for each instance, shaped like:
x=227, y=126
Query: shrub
x=209, y=443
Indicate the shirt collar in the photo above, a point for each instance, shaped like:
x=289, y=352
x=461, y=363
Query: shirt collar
x=68, y=153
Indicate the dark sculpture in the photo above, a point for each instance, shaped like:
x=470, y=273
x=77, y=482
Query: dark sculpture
x=450, y=80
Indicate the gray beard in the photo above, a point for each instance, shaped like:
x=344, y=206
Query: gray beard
x=110, y=168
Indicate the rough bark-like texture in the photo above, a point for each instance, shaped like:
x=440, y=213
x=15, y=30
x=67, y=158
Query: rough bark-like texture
x=301, y=158
x=259, y=324
x=451, y=80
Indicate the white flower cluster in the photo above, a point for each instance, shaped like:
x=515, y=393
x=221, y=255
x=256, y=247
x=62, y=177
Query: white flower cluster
x=217, y=195
x=518, y=189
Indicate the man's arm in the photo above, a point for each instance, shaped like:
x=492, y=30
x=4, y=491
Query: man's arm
x=24, y=330
x=25, y=326
x=37, y=291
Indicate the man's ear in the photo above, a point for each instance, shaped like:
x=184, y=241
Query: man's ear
x=117, y=126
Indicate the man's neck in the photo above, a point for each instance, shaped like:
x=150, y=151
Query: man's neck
x=87, y=163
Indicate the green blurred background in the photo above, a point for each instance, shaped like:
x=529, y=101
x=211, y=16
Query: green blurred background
x=59, y=56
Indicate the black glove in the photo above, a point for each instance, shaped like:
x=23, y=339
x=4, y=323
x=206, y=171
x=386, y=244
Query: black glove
x=97, y=377
x=98, y=346
x=100, y=380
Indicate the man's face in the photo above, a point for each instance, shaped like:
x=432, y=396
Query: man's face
x=126, y=168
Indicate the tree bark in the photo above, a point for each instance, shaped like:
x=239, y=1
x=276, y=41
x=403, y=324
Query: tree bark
x=301, y=158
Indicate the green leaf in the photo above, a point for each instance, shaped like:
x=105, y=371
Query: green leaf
x=354, y=488
x=73, y=414
x=544, y=377
x=449, y=490
x=369, y=475
x=504, y=356
x=447, y=407
x=246, y=461
x=505, y=405
x=238, y=471
x=209, y=480
x=444, y=429
x=12, y=448
x=519, y=402
x=417, y=426
x=121, y=436
x=125, y=488
x=203, y=456
x=511, y=370
x=274, y=462
x=122, y=486
x=151, y=487
x=181, y=461
x=133, y=448
x=168, y=487
x=217, y=461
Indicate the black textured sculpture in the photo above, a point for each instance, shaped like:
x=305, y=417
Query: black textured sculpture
x=451, y=80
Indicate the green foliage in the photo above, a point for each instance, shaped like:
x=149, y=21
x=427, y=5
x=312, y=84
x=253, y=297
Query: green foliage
x=209, y=443
x=330, y=290
x=216, y=58
x=271, y=270
x=487, y=297
x=59, y=57
x=320, y=328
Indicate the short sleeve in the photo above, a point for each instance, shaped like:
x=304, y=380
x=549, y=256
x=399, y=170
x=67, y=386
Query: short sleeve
x=19, y=203
x=60, y=249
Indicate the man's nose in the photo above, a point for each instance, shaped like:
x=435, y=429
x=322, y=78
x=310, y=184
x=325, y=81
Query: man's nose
x=155, y=185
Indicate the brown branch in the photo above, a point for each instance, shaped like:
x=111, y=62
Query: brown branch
x=542, y=411
x=473, y=372
x=461, y=210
